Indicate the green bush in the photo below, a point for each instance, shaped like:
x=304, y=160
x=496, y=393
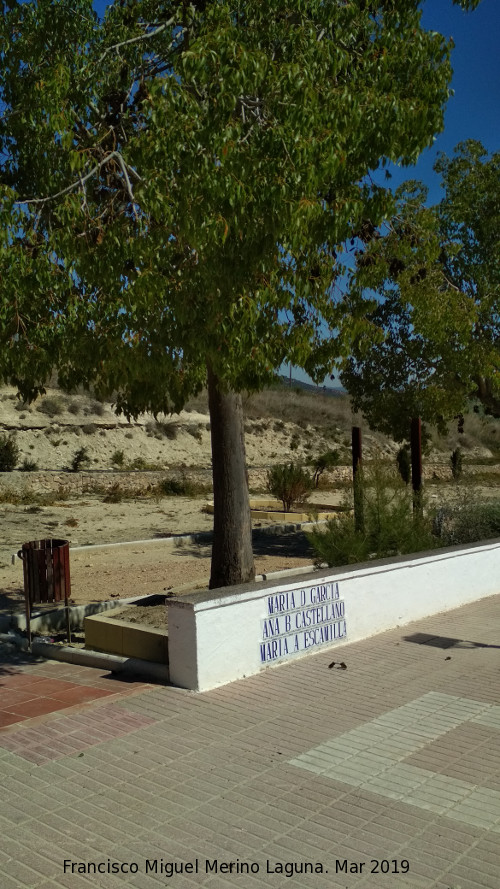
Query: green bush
x=9, y=454
x=97, y=408
x=290, y=483
x=340, y=543
x=195, y=431
x=467, y=521
x=181, y=487
x=390, y=525
x=169, y=430
x=138, y=464
x=118, y=458
x=174, y=487
x=81, y=460
x=28, y=466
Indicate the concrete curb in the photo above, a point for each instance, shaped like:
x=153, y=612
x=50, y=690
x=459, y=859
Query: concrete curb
x=55, y=618
x=198, y=537
x=112, y=662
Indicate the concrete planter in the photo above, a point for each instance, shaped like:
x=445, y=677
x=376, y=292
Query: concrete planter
x=270, y=510
x=126, y=639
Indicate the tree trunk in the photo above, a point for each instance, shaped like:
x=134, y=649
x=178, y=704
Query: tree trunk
x=486, y=396
x=232, y=555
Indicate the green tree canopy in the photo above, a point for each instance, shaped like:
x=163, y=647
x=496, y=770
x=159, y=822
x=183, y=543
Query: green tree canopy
x=430, y=286
x=176, y=178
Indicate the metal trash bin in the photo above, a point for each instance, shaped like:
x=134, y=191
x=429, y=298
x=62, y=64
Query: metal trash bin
x=46, y=570
x=46, y=574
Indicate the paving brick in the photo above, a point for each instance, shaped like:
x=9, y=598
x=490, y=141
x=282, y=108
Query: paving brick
x=25, y=875
x=72, y=881
x=467, y=878
x=481, y=864
x=9, y=882
x=486, y=845
x=203, y=772
x=41, y=865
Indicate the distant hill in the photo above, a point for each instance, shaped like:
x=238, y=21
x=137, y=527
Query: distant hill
x=311, y=387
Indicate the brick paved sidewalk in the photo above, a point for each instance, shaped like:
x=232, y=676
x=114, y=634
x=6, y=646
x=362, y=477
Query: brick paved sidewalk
x=26, y=692
x=394, y=760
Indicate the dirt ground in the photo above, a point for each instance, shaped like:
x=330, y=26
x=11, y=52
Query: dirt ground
x=126, y=550
x=154, y=616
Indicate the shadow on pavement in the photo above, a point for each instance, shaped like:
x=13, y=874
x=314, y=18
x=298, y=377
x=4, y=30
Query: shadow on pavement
x=445, y=641
x=10, y=664
x=290, y=544
x=282, y=543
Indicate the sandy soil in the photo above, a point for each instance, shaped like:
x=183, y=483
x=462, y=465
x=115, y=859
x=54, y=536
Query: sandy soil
x=154, y=616
x=152, y=563
x=127, y=549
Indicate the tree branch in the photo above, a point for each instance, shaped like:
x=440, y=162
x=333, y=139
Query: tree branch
x=82, y=179
x=84, y=195
x=128, y=185
x=136, y=39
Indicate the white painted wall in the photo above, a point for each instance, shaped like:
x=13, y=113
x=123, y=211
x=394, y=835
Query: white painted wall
x=215, y=637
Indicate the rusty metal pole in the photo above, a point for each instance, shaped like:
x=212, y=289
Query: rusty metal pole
x=27, y=604
x=416, y=462
x=357, y=461
x=28, y=585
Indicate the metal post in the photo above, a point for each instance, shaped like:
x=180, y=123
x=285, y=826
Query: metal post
x=357, y=461
x=416, y=461
x=28, y=617
x=68, y=620
x=27, y=604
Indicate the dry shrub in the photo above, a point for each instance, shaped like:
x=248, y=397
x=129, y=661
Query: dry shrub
x=51, y=405
x=290, y=483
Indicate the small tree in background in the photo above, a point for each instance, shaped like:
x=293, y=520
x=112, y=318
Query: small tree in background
x=290, y=483
x=81, y=460
x=403, y=461
x=320, y=464
x=435, y=332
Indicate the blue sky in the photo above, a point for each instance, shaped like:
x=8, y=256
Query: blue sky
x=474, y=111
